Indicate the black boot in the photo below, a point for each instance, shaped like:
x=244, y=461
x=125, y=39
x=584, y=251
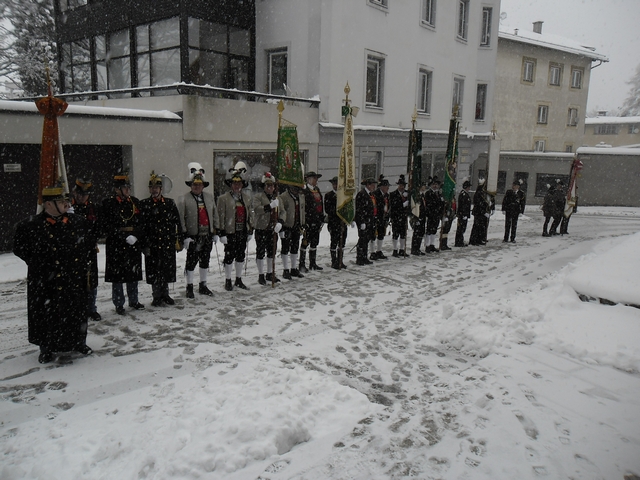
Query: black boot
x=261, y=279
x=190, y=290
x=312, y=261
x=302, y=267
x=228, y=286
x=395, y=254
x=380, y=255
x=373, y=256
x=334, y=260
x=401, y=253
x=271, y=278
x=286, y=274
x=203, y=290
x=443, y=245
x=241, y=285
x=296, y=273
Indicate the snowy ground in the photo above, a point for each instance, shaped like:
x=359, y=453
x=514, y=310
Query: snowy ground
x=479, y=363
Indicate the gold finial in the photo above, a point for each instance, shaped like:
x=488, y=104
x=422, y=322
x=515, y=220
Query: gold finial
x=280, y=107
x=456, y=108
x=414, y=117
x=347, y=89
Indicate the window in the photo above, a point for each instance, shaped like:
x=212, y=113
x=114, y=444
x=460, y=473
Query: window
x=568, y=147
x=424, y=91
x=606, y=130
x=429, y=12
x=76, y=66
x=545, y=180
x=576, y=77
x=572, y=118
x=632, y=129
x=528, y=70
x=555, y=74
x=481, y=101
x=379, y=3
x=370, y=165
x=71, y=4
x=502, y=179
x=538, y=145
x=543, y=114
x=485, y=39
x=463, y=19
x=158, y=54
x=113, y=61
x=277, y=71
x=375, y=82
x=458, y=93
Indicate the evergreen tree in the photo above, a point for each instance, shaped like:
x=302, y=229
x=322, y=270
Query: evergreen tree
x=27, y=45
x=631, y=105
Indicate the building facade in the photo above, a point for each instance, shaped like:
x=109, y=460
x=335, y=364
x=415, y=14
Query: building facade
x=613, y=131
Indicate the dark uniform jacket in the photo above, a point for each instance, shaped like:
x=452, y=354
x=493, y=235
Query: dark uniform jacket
x=434, y=203
x=383, y=207
x=464, y=204
x=513, y=202
x=91, y=212
x=162, y=228
x=314, y=211
x=121, y=218
x=397, y=213
x=331, y=209
x=480, y=203
x=549, y=208
x=365, y=210
x=57, y=256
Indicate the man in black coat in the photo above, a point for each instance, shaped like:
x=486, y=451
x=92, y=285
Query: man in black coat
x=162, y=229
x=366, y=210
x=435, y=208
x=398, y=215
x=337, y=227
x=481, y=212
x=463, y=213
x=419, y=222
x=314, y=217
x=559, y=198
x=56, y=246
x=382, y=218
x=83, y=206
x=512, y=206
x=120, y=223
x=548, y=208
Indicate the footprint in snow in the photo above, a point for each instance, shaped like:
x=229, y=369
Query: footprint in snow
x=529, y=427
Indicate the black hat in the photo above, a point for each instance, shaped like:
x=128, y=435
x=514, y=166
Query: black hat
x=517, y=182
x=433, y=180
x=155, y=180
x=121, y=180
x=368, y=181
x=55, y=192
x=312, y=174
x=383, y=182
x=334, y=180
x=401, y=181
x=83, y=186
x=466, y=184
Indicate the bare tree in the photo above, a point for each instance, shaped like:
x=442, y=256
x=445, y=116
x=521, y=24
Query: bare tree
x=27, y=45
x=631, y=106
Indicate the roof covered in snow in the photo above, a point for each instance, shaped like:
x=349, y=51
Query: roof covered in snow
x=30, y=107
x=546, y=40
x=611, y=120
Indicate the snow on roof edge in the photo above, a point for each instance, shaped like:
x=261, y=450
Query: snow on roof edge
x=605, y=120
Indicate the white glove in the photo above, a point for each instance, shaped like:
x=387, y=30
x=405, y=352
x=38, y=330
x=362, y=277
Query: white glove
x=405, y=204
x=278, y=227
x=215, y=239
x=464, y=218
x=274, y=203
x=223, y=240
x=405, y=194
x=281, y=234
x=446, y=219
x=353, y=224
x=71, y=209
x=363, y=226
x=187, y=242
x=487, y=215
x=131, y=239
x=249, y=237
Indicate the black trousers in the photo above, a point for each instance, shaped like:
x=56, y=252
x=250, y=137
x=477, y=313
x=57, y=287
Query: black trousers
x=235, y=248
x=479, y=230
x=399, y=229
x=419, y=227
x=460, y=229
x=265, y=243
x=291, y=241
x=510, y=226
x=335, y=231
x=312, y=236
x=199, y=252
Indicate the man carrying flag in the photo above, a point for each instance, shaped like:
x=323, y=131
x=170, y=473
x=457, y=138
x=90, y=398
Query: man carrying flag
x=449, y=185
x=571, y=204
x=414, y=167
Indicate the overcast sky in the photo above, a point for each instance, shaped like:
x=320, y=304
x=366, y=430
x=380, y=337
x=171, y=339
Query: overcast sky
x=611, y=26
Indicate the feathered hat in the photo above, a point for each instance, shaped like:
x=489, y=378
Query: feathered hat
x=196, y=175
x=236, y=175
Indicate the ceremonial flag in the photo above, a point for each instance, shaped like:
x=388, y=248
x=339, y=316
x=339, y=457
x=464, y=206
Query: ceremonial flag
x=288, y=156
x=493, y=163
x=347, y=170
x=52, y=166
x=451, y=162
x=572, y=190
x=414, y=168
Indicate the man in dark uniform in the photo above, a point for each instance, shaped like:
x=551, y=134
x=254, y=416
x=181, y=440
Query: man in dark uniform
x=266, y=213
x=481, y=213
x=366, y=211
x=548, y=208
x=559, y=198
x=512, y=206
x=82, y=205
x=398, y=213
x=419, y=222
x=56, y=246
x=435, y=207
x=463, y=213
x=382, y=218
x=337, y=227
x=235, y=218
x=293, y=214
x=314, y=216
x=162, y=229
x=120, y=223
x=199, y=219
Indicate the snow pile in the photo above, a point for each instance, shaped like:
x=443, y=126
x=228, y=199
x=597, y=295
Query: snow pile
x=200, y=425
